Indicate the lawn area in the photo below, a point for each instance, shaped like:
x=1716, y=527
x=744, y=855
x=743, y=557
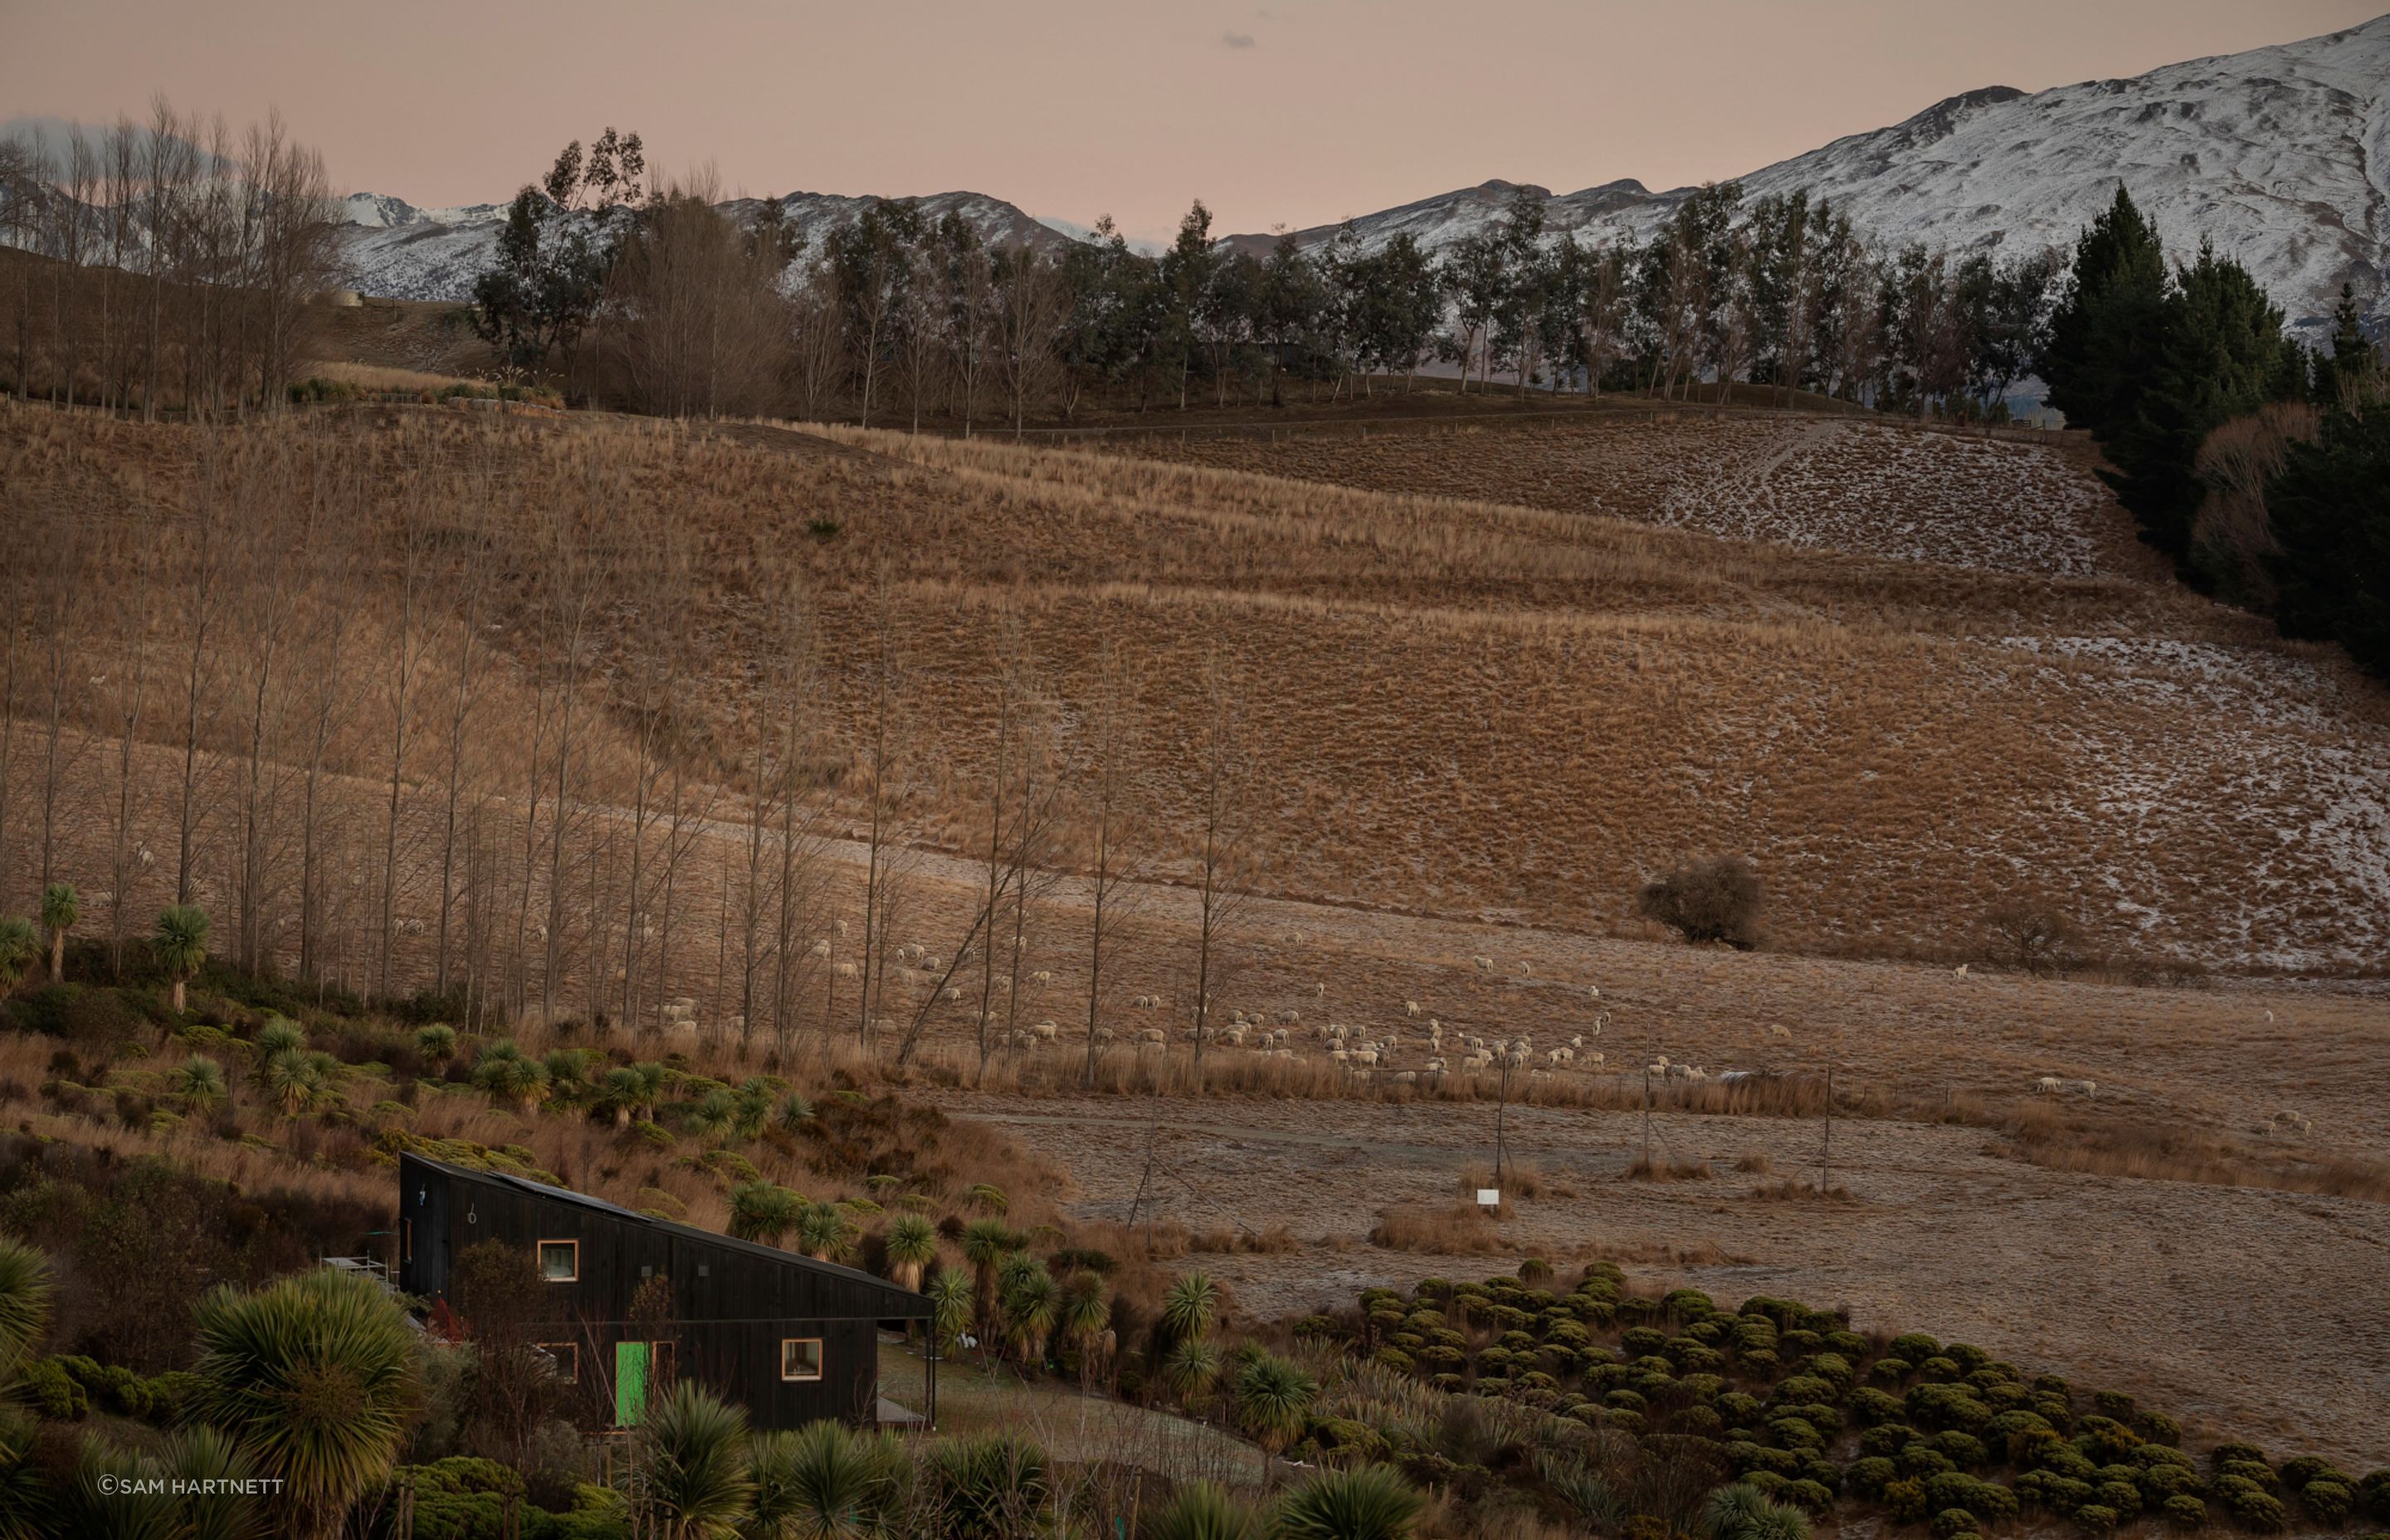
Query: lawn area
x=1070, y=1427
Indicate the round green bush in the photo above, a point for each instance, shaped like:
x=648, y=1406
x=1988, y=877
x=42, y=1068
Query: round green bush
x=2105, y=1439
x=1813, y=1496
x=1625, y=1421
x=2115, y=1404
x=2258, y=1474
x=1642, y=1342
x=1915, y=1346
x=2329, y=1501
x=1739, y=1407
x=1762, y=1361
x=2123, y=1497
x=2296, y=1473
x=1767, y=1482
x=1823, y=1471
x=2373, y=1491
x=1888, y=1371
x=1831, y=1366
x=1702, y=1421
x=2160, y=1480
x=1803, y=1387
x=1794, y=1433
x=1869, y=1475
x=2185, y=1511
x=2092, y=1519
x=1922, y=1459
x=1938, y=1368
x=2158, y=1428
x=1904, y=1499
x=1964, y=1449
x=1952, y=1522
x=1887, y=1439
x=1624, y=1400
x=2251, y=1506
x=2224, y=1454
x=1871, y=1407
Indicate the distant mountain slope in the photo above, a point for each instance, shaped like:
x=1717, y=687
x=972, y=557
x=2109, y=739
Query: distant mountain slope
x=2280, y=156
x=398, y=251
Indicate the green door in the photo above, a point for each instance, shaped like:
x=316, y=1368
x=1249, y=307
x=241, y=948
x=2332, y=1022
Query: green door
x=630, y=1383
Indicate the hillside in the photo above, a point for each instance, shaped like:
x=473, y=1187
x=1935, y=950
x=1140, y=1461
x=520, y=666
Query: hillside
x=396, y=250
x=2276, y=156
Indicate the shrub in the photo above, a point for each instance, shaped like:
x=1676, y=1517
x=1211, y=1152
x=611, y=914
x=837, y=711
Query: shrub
x=1904, y=1499
x=2328, y=1500
x=1813, y=1496
x=1939, y=1368
x=1869, y=1476
x=1887, y=1439
x=55, y=1393
x=2092, y=1519
x=2158, y=1428
x=2374, y=1493
x=1922, y=1459
x=2123, y=1497
x=1794, y=1433
x=2185, y=1511
x=1951, y=1522
x=1717, y=898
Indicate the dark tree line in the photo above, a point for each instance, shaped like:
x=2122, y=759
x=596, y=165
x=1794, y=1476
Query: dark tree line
x=2262, y=467
x=895, y=314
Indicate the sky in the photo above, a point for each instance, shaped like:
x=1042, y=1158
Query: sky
x=1285, y=113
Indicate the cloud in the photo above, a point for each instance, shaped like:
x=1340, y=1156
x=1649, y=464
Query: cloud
x=1236, y=40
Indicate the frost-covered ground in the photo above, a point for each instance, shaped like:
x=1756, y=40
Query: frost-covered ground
x=2287, y=755
x=1885, y=490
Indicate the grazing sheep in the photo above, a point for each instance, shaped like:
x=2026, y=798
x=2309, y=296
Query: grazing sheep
x=844, y=970
x=1407, y=1077
x=1319, y=991
x=952, y=991
x=841, y=926
x=1103, y=1035
x=1152, y=1037
x=2289, y=1122
x=1484, y=965
x=1592, y=991
x=821, y=949
x=1289, y=1017
x=1041, y=977
x=1436, y=1066
x=1595, y=1059
x=1366, y=1057
x=1779, y=1032
x=1522, y=968
x=1560, y=1056
x=1339, y=1055
x=1539, y=1074
x=2083, y=1088
x=930, y=964
x=2048, y=1085
x=1576, y=1042
x=1046, y=1031
x=1411, y=1008
x=1660, y=1068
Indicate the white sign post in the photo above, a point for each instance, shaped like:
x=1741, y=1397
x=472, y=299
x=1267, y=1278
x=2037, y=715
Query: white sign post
x=1489, y=1197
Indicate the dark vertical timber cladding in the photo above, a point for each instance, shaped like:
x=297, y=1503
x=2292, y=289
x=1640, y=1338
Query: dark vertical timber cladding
x=733, y=1304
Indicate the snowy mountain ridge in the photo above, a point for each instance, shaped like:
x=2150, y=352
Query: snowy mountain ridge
x=2280, y=156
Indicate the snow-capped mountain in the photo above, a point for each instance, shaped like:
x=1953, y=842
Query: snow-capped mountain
x=398, y=251
x=2280, y=156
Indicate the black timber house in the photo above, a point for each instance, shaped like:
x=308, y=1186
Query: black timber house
x=793, y=1340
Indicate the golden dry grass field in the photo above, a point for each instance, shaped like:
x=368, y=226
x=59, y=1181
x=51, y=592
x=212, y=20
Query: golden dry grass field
x=1482, y=683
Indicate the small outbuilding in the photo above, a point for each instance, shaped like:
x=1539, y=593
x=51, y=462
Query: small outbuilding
x=793, y=1340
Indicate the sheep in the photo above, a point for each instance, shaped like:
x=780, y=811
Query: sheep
x=1103, y=1035
x=1042, y=977
x=1411, y=1008
x=1658, y=1068
x=844, y=970
x=1577, y=1041
x=2083, y=1088
x=1319, y=991
x=821, y=949
x=1593, y=991
x=1962, y=970
x=1046, y=1031
x=1339, y=1055
x=1560, y=1056
x=841, y=926
x=952, y=991
x=1781, y=1033
x=2289, y=1122
x=1146, y=1002
x=2048, y=1085
x=1436, y=1066
x=1523, y=967
x=1482, y=964
x=1153, y=1036
x=1595, y=1059
x=1407, y=1077
x=930, y=964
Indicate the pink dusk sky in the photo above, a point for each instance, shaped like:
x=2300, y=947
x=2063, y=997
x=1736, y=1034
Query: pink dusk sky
x=1288, y=112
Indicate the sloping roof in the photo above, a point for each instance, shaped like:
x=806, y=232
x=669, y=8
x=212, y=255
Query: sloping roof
x=907, y=1305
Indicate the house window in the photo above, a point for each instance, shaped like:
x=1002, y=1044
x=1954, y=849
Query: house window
x=566, y=1359
x=801, y=1358
x=560, y=1261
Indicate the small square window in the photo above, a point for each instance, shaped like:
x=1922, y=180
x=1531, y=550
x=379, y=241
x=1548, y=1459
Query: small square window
x=801, y=1358
x=566, y=1359
x=560, y=1261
